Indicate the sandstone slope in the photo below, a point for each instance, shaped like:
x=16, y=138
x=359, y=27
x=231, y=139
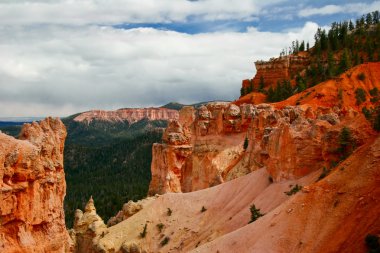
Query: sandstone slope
x=333, y=215
x=32, y=187
x=226, y=209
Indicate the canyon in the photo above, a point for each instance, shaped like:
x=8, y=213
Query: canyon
x=291, y=138
x=293, y=165
x=218, y=161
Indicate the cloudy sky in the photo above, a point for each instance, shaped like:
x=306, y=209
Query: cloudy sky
x=59, y=57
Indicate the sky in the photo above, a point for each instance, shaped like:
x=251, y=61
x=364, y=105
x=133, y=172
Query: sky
x=60, y=57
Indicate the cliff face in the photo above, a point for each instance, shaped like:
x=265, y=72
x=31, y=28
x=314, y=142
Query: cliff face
x=343, y=206
x=289, y=140
x=130, y=115
x=32, y=189
x=277, y=69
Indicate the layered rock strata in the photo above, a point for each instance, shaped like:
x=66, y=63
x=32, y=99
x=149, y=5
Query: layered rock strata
x=277, y=69
x=289, y=142
x=131, y=115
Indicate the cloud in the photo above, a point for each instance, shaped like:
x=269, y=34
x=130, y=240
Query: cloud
x=70, y=12
x=60, y=70
x=357, y=8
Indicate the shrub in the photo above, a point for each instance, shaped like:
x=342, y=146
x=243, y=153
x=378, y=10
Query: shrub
x=376, y=124
x=346, y=142
x=324, y=173
x=340, y=94
x=165, y=241
x=360, y=96
x=245, y=145
x=361, y=76
x=169, y=212
x=255, y=213
x=143, y=233
x=294, y=190
x=270, y=179
x=367, y=113
x=160, y=226
x=203, y=209
x=374, y=92
x=372, y=242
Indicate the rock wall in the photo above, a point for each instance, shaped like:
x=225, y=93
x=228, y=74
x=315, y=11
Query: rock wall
x=289, y=142
x=32, y=187
x=277, y=69
x=130, y=115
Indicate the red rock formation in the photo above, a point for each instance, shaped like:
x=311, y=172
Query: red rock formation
x=88, y=228
x=277, y=69
x=130, y=115
x=32, y=187
x=289, y=141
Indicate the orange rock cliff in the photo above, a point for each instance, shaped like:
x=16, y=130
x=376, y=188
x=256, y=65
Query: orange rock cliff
x=277, y=69
x=32, y=188
x=290, y=139
x=131, y=115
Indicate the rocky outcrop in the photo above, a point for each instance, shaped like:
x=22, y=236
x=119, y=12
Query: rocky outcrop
x=290, y=142
x=88, y=229
x=32, y=187
x=277, y=69
x=130, y=115
x=129, y=209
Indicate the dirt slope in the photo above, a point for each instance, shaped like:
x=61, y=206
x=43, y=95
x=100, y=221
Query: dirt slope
x=187, y=227
x=333, y=215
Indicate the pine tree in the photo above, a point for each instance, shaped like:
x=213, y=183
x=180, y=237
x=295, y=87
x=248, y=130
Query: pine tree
x=245, y=145
x=330, y=64
x=368, y=20
x=261, y=83
x=345, y=62
x=252, y=86
x=302, y=46
x=255, y=213
x=375, y=17
x=242, y=91
x=346, y=142
x=351, y=26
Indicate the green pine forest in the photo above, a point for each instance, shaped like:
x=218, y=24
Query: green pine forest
x=110, y=161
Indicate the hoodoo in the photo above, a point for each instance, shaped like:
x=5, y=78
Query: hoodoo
x=32, y=188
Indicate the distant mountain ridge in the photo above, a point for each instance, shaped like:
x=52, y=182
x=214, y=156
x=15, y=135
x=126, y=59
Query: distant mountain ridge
x=131, y=115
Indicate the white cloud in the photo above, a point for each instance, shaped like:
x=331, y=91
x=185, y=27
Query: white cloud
x=60, y=70
x=70, y=12
x=358, y=8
